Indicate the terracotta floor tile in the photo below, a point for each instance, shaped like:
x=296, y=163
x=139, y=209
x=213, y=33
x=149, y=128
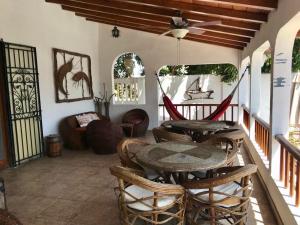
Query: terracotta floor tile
x=61, y=210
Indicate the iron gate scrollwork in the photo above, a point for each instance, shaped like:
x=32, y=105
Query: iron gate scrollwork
x=22, y=88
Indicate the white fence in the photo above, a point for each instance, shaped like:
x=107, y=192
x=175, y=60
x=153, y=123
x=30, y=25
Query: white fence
x=129, y=90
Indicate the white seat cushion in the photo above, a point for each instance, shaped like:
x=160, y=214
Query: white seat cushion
x=230, y=189
x=151, y=174
x=199, y=174
x=139, y=193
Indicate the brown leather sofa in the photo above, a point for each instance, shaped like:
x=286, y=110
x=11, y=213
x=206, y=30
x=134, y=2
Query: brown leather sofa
x=74, y=136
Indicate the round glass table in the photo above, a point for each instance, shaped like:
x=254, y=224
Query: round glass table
x=199, y=129
x=179, y=159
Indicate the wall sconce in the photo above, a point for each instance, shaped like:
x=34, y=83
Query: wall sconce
x=115, y=32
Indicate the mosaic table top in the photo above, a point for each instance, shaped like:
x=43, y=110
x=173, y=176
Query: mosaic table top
x=181, y=157
x=199, y=125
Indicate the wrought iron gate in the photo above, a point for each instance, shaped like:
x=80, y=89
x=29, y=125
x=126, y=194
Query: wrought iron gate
x=23, y=102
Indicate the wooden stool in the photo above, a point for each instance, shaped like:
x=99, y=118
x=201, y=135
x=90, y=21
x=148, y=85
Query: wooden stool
x=53, y=145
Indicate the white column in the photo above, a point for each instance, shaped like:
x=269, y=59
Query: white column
x=281, y=91
x=243, y=88
x=256, y=64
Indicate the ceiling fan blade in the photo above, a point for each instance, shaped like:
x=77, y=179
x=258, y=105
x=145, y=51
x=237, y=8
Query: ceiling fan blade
x=165, y=33
x=196, y=31
x=177, y=20
x=204, y=24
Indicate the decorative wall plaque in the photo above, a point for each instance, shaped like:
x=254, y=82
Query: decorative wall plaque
x=72, y=76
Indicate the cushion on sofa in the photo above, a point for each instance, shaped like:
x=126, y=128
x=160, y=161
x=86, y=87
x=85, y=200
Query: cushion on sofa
x=84, y=119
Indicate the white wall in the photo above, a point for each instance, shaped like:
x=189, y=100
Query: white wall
x=155, y=51
x=45, y=25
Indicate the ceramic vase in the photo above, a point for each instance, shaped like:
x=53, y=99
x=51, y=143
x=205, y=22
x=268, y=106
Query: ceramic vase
x=106, y=106
x=98, y=107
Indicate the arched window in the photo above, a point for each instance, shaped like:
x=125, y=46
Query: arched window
x=129, y=79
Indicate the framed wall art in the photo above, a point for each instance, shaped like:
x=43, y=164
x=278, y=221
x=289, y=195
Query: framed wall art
x=72, y=76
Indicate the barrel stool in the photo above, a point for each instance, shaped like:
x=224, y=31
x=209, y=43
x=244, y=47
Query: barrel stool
x=53, y=145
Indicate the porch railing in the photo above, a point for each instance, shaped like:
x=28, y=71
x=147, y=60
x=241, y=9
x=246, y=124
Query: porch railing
x=246, y=117
x=290, y=167
x=199, y=111
x=129, y=90
x=262, y=135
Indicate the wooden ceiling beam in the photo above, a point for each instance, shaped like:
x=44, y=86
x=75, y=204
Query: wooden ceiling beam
x=164, y=23
x=189, y=6
x=102, y=11
x=133, y=27
x=161, y=13
x=145, y=24
x=168, y=7
x=160, y=30
x=268, y=5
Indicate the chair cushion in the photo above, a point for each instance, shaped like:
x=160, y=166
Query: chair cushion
x=150, y=173
x=139, y=193
x=208, y=222
x=199, y=174
x=230, y=189
x=136, y=120
x=84, y=119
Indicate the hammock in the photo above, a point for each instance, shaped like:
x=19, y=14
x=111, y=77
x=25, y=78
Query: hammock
x=215, y=115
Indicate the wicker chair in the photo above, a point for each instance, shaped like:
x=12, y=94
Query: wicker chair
x=142, y=200
x=237, y=135
x=140, y=120
x=127, y=150
x=223, y=199
x=226, y=144
x=235, y=132
x=162, y=134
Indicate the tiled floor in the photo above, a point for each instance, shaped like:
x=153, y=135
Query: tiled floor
x=77, y=189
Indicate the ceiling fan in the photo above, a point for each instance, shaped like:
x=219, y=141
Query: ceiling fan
x=180, y=26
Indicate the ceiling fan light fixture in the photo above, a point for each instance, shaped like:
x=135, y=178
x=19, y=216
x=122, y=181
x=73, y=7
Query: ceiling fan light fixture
x=179, y=33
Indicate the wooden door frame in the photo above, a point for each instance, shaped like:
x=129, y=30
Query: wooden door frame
x=4, y=125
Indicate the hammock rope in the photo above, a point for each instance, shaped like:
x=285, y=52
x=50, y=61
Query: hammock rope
x=215, y=115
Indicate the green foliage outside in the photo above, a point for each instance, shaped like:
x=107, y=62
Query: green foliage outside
x=296, y=56
x=120, y=70
x=266, y=68
x=228, y=72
